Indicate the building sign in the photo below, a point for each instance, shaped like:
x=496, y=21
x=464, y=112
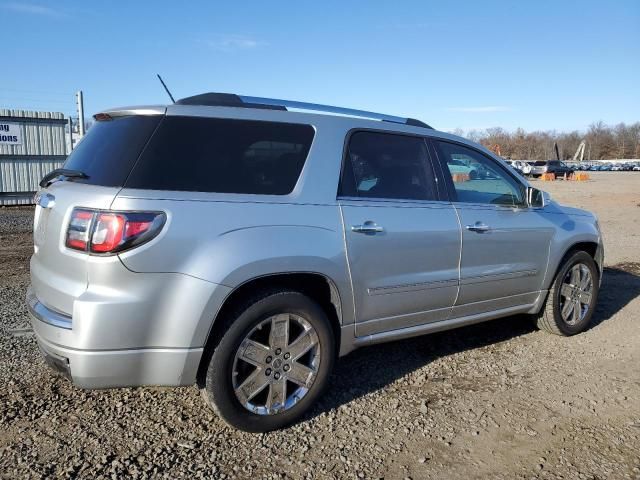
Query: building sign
x=10, y=134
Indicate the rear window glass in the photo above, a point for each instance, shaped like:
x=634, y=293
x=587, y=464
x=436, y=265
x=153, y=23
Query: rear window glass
x=110, y=148
x=224, y=156
x=540, y=163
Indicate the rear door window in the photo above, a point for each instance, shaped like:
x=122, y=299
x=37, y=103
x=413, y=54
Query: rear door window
x=110, y=148
x=388, y=166
x=224, y=156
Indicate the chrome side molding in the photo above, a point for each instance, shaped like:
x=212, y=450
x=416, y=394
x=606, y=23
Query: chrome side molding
x=46, y=315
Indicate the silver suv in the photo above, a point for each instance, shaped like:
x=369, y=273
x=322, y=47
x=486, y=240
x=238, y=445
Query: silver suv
x=231, y=243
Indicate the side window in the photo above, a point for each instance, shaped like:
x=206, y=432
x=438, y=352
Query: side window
x=223, y=156
x=478, y=179
x=385, y=165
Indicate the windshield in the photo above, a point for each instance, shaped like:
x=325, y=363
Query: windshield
x=109, y=150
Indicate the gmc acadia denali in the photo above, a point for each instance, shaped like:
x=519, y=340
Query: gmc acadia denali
x=230, y=243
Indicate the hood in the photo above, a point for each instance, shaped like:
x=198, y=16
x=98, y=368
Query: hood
x=555, y=207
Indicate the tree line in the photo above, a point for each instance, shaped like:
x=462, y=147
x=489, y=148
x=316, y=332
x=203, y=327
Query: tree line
x=602, y=142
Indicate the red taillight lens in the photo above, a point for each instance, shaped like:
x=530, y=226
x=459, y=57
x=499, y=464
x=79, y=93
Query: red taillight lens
x=108, y=232
x=78, y=231
x=111, y=232
x=136, y=228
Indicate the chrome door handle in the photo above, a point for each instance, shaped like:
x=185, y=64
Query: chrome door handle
x=367, y=227
x=478, y=227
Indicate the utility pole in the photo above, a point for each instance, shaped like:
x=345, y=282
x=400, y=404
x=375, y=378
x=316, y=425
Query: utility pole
x=80, y=104
x=70, y=134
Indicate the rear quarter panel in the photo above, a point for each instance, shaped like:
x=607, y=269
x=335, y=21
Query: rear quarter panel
x=229, y=243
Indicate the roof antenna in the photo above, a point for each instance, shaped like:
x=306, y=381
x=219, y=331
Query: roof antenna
x=165, y=87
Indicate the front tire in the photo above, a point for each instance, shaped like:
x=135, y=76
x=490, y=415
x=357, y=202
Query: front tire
x=572, y=298
x=272, y=363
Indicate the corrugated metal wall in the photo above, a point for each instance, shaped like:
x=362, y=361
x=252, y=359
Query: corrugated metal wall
x=43, y=148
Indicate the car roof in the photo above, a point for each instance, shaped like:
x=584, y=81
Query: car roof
x=267, y=109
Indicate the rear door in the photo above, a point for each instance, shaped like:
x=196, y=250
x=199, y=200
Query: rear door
x=505, y=244
x=403, y=241
x=106, y=155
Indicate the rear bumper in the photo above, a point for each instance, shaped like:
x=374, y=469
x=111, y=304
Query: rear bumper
x=122, y=368
x=67, y=348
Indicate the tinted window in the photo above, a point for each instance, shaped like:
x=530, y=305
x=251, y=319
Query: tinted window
x=222, y=155
x=477, y=178
x=110, y=148
x=389, y=166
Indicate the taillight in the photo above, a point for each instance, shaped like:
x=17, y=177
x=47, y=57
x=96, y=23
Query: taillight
x=79, y=229
x=105, y=232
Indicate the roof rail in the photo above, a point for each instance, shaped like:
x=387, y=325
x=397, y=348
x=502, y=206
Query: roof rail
x=233, y=100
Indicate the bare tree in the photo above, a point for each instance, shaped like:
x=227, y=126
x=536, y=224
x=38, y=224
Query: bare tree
x=603, y=142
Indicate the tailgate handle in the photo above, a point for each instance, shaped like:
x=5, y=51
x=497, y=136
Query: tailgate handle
x=45, y=200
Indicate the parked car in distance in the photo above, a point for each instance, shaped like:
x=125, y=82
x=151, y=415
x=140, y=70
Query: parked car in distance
x=459, y=167
x=524, y=168
x=621, y=167
x=229, y=243
x=551, y=166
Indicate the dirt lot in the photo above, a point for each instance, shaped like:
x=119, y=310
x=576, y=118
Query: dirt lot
x=498, y=400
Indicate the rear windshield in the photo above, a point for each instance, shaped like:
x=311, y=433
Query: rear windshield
x=540, y=163
x=110, y=149
x=222, y=155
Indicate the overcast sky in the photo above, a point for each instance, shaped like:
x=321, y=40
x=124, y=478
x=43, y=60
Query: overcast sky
x=532, y=64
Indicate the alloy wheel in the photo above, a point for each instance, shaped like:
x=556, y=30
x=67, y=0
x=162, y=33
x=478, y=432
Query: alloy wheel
x=276, y=364
x=575, y=294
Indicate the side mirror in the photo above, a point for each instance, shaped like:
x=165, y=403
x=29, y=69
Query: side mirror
x=537, y=198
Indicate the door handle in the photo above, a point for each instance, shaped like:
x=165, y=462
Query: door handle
x=478, y=227
x=367, y=227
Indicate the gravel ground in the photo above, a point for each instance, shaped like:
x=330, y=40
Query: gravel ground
x=498, y=400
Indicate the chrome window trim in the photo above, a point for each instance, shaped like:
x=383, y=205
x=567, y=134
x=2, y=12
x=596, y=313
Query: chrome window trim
x=394, y=201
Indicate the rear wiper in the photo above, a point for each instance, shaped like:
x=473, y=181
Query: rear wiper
x=61, y=172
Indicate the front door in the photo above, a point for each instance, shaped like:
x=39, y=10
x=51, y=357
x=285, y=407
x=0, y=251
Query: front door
x=505, y=244
x=403, y=242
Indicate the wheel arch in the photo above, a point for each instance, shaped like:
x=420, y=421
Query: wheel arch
x=317, y=286
x=591, y=247
x=587, y=245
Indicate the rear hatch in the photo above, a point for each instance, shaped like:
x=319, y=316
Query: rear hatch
x=106, y=156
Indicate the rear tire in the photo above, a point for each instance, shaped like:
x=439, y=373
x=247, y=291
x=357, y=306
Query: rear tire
x=571, y=301
x=272, y=363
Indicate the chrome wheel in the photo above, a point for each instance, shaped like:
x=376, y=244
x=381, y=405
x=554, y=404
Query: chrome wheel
x=575, y=294
x=276, y=364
